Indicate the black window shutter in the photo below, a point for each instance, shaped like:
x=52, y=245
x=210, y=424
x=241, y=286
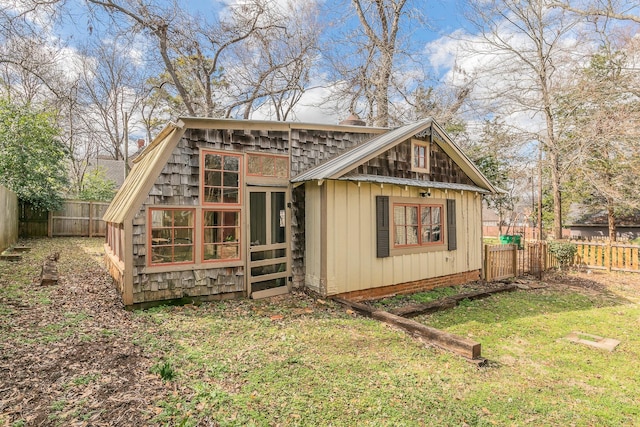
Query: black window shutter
x=451, y=225
x=382, y=226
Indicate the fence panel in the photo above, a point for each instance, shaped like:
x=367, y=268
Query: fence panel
x=506, y=261
x=32, y=222
x=614, y=256
x=75, y=218
x=79, y=218
x=501, y=262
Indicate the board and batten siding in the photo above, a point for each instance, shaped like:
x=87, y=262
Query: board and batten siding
x=313, y=237
x=351, y=262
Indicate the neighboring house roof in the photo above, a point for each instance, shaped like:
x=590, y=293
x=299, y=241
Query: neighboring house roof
x=601, y=219
x=489, y=214
x=338, y=166
x=113, y=169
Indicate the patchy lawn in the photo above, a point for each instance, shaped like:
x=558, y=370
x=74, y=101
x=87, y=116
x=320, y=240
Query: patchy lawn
x=70, y=355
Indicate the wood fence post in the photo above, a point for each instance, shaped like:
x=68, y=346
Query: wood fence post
x=515, y=260
x=542, y=258
x=609, y=250
x=50, y=224
x=487, y=274
x=90, y=219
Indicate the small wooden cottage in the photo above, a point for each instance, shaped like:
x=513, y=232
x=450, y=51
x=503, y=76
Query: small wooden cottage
x=222, y=208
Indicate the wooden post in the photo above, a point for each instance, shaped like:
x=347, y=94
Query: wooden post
x=50, y=224
x=90, y=219
x=515, y=260
x=487, y=263
x=542, y=258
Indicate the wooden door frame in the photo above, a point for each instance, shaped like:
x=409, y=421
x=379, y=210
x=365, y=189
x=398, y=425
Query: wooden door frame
x=286, y=245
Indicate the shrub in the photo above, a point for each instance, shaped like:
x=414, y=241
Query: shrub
x=564, y=252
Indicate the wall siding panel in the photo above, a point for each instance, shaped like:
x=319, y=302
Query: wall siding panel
x=352, y=264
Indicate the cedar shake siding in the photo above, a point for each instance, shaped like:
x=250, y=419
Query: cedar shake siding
x=179, y=185
x=397, y=162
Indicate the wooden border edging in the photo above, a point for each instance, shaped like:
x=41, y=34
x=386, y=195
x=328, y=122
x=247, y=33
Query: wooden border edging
x=461, y=346
x=448, y=302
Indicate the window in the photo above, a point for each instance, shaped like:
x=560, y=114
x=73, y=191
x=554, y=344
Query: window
x=417, y=225
x=171, y=236
x=268, y=166
x=220, y=178
x=221, y=235
x=420, y=156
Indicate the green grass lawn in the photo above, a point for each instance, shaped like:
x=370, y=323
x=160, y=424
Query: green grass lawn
x=297, y=360
x=292, y=362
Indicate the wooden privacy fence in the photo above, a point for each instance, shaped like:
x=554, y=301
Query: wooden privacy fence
x=75, y=218
x=609, y=256
x=505, y=261
x=500, y=262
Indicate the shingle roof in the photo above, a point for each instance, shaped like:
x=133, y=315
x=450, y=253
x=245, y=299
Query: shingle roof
x=113, y=169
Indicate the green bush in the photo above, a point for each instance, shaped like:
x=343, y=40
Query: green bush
x=564, y=252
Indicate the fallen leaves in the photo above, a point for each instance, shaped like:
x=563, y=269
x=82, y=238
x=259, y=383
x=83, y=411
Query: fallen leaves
x=69, y=359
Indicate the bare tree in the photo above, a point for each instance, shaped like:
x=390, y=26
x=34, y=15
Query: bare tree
x=368, y=57
x=271, y=70
x=532, y=48
x=195, y=53
x=29, y=58
x=112, y=87
x=614, y=9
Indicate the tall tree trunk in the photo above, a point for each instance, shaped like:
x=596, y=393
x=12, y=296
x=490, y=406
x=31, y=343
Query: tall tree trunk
x=557, y=195
x=612, y=222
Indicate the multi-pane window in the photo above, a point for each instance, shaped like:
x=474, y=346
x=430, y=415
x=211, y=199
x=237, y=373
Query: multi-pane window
x=221, y=178
x=171, y=236
x=268, y=166
x=221, y=235
x=416, y=225
x=420, y=156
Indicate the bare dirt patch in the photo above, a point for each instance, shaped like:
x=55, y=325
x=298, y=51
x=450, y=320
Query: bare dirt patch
x=621, y=286
x=68, y=356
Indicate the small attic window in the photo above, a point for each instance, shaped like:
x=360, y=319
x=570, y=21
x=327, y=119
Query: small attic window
x=420, y=156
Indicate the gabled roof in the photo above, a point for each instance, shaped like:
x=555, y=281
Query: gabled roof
x=337, y=167
x=149, y=164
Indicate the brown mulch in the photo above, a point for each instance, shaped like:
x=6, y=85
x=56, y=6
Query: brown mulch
x=72, y=359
